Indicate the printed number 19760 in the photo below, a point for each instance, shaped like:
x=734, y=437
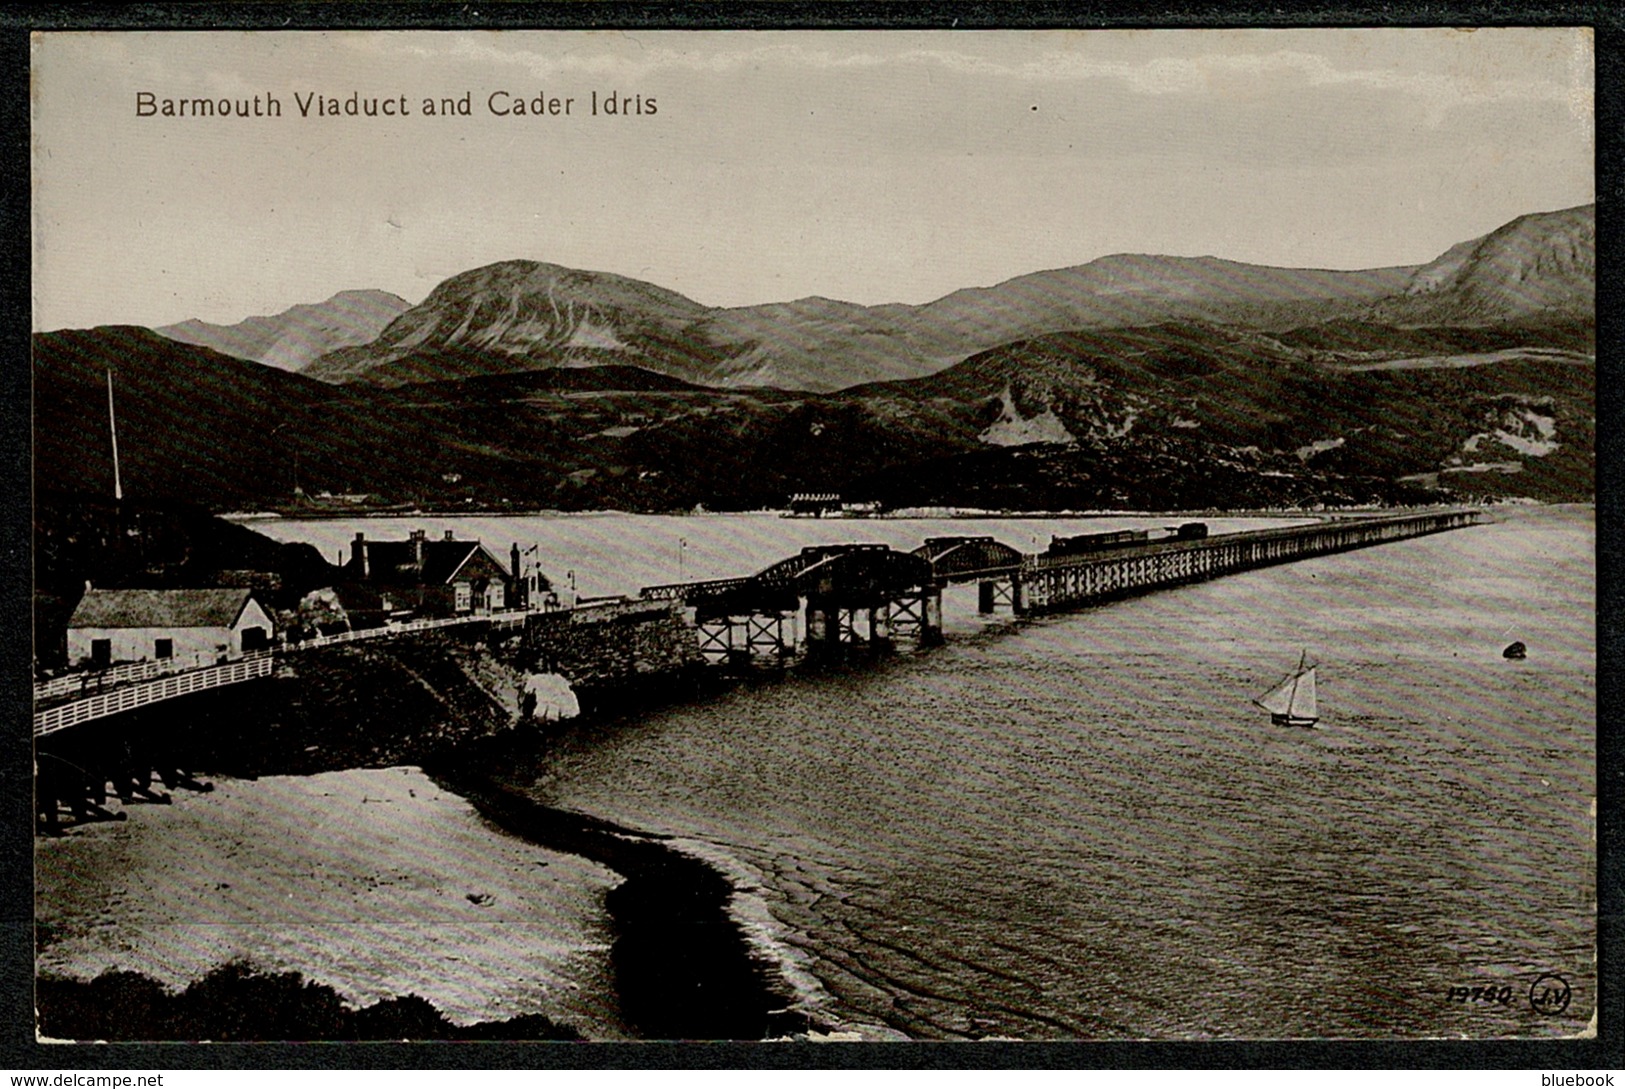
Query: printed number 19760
x=1500, y=996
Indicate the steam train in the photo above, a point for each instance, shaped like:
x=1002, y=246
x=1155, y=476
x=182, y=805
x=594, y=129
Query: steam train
x=1122, y=538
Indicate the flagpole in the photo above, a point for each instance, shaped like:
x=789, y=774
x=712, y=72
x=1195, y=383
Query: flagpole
x=112, y=429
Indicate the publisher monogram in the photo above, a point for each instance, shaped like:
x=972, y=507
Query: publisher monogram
x=1549, y=995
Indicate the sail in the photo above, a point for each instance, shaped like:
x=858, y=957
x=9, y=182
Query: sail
x=1278, y=700
x=1303, y=696
x=1294, y=697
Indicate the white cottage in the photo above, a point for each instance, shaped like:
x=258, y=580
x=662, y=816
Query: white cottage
x=146, y=625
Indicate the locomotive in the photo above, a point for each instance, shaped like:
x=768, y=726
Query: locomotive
x=1122, y=538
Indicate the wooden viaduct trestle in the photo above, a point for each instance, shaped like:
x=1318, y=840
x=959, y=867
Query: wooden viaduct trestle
x=868, y=595
x=1052, y=584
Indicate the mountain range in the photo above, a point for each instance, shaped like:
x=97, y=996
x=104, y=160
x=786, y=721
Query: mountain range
x=523, y=315
x=1132, y=381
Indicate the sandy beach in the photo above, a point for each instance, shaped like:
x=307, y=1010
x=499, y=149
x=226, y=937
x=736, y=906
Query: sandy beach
x=377, y=883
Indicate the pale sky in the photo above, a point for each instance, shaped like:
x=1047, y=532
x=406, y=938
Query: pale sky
x=867, y=166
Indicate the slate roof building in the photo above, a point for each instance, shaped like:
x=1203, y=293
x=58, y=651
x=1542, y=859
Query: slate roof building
x=201, y=625
x=423, y=578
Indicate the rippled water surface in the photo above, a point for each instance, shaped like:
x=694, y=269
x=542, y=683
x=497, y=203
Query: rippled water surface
x=1080, y=827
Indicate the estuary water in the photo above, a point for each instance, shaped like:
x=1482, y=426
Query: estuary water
x=1080, y=827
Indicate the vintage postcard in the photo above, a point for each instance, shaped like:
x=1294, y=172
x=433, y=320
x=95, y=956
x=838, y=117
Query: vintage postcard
x=850, y=536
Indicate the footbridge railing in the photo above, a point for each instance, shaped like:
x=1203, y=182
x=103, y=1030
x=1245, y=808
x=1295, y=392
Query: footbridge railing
x=132, y=696
x=136, y=684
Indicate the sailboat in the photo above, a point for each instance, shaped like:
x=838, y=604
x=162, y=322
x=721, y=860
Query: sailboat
x=1292, y=702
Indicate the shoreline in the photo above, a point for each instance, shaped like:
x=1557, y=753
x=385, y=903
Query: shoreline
x=176, y=914
x=902, y=514
x=376, y=886
x=684, y=967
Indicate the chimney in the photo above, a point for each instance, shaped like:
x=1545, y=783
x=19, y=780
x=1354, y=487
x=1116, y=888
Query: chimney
x=359, y=557
x=418, y=537
x=518, y=582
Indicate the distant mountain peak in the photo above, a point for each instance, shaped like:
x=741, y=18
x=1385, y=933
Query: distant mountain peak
x=1540, y=264
x=291, y=339
x=519, y=277
x=520, y=315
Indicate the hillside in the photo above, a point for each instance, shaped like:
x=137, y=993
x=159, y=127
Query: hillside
x=1537, y=267
x=1176, y=415
x=1147, y=417
x=292, y=339
x=195, y=425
